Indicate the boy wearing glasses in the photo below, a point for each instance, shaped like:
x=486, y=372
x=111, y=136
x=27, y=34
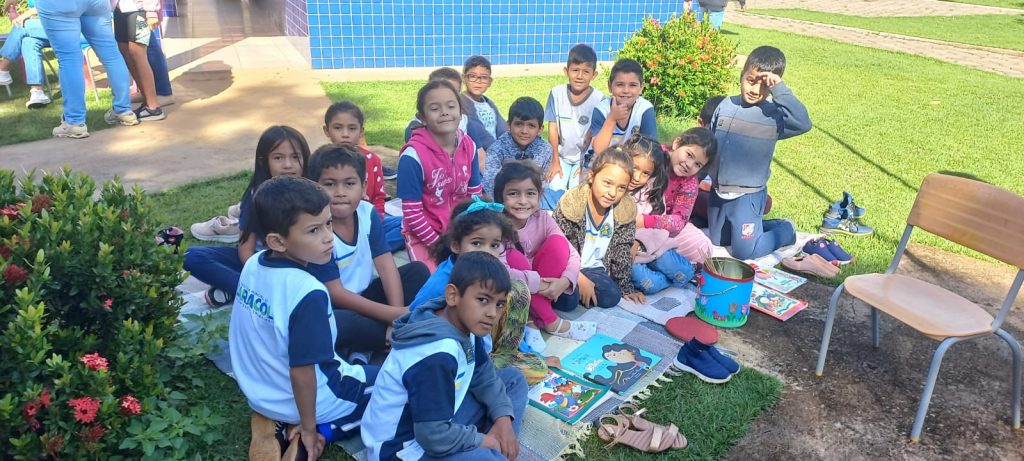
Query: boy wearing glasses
x=476, y=73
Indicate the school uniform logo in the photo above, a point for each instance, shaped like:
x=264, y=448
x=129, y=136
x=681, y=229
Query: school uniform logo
x=636, y=129
x=747, y=231
x=584, y=120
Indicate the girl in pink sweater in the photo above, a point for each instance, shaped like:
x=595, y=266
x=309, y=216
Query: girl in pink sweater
x=550, y=264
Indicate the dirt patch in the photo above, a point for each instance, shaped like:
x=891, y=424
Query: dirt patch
x=864, y=405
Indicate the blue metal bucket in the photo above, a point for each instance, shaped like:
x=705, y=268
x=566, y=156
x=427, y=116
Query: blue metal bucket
x=723, y=294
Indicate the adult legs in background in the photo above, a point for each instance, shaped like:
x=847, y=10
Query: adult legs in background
x=65, y=21
x=716, y=19
x=133, y=34
x=158, y=62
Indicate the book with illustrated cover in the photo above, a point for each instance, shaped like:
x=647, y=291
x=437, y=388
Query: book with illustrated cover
x=775, y=304
x=565, y=396
x=777, y=279
x=610, y=362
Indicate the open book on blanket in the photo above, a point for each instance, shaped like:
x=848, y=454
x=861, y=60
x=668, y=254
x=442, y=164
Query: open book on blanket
x=664, y=305
x=610, y=362
x=775, y=304
x=777, y=279
x=566, y=397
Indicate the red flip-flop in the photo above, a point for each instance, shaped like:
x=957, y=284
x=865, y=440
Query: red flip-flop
x=687, y=328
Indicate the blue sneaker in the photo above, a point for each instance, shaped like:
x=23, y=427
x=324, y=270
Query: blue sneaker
x=851, y=207
x=842, y=257
x=701, y=364
x=849, y=227
x=725, y=361
x=818, y=247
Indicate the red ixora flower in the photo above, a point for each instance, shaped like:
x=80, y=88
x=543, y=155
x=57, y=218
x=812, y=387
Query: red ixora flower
x=108, y=302
x=41, y=202
x=10, y=212
x=85, y=409
x=54, y=445
x=15, y=275
x=45, y=398
x=30, y=412
x=93, y=434
x=130, y=405
x=94, y=361
x=655, y=23
x=5, y=251
x=655, y=80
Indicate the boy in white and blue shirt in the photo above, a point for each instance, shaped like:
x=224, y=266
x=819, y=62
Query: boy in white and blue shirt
x=625, y=111
x=568, y=115
x=282, y=333
x=438, y=395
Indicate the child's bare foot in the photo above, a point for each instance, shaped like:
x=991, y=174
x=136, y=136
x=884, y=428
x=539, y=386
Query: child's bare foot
x=578, y=330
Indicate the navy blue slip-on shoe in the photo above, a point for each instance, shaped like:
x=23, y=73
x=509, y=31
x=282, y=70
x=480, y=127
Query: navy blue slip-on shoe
x=725, y=361
x=841, y=255
x=700, y=364
x=389, y=173
x=818, y=247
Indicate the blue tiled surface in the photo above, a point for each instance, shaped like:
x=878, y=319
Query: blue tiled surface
x=424, y=33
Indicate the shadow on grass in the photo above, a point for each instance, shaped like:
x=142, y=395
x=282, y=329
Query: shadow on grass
x=853, y=150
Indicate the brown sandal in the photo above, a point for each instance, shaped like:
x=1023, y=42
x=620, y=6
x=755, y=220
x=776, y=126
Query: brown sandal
x=633, y=412
x=656, y=440
x=811, y=264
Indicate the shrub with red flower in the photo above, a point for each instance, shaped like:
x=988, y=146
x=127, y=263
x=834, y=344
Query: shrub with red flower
x=41, y=202
x=15, y=275
x=93, y=433
x=95, y=362
x=85, y=408
x=130, y=405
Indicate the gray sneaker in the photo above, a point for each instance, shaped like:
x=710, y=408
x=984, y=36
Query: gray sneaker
x=125, y=118
x=37, y=99
x=67, y=130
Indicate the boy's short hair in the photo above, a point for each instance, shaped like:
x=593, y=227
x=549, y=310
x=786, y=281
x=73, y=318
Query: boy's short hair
x=480, y=267
x=708, y=110
x=526, y=108
x=766, y=59
x=626, y=66
x=279, y=201
x=445, y=73
x=336, y=155
x=582, y=54
x=476, y=61
x=342, y=107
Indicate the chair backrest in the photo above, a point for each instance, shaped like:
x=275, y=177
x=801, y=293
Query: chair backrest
x=979, y=216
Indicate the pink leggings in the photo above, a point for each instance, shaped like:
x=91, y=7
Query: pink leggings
x=692, y=244
x=551, y=259
x=419, y=251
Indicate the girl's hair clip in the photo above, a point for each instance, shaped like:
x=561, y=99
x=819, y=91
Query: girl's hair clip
x=480, y=204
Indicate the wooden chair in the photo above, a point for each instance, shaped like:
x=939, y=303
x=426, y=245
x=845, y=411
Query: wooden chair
x=979, y=216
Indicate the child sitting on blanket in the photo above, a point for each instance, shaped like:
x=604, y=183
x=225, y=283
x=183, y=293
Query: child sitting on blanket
x=438, y=395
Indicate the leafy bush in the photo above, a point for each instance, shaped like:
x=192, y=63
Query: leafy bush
x=685, y=63
x=88, y=309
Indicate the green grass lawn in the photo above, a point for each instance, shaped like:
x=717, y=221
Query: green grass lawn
x=1002, y=3
x=997, y=30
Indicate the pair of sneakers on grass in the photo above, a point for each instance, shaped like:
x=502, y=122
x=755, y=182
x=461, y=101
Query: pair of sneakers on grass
x=706, y=362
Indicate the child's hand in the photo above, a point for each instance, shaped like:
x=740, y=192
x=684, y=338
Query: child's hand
x=587, y=295
x=387, y=335
x=619, y=113
x=554, y=288
x=490, y=442
x=502, y=430
x=636, y=297
x=555, y=170
x=633, y=250
x=553, y=361
x=769, y=78
x=311, y=440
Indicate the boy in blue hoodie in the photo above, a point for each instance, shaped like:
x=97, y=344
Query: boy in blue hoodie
x=747, y=126
x=438, y=395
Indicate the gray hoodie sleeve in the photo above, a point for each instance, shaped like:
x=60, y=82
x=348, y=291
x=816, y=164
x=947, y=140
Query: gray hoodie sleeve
x=431, y=385
x=792, y=112
x=487, y=388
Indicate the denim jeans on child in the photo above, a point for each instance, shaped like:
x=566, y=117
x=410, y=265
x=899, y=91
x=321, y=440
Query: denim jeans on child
x=474, y=412
x=65, y=22
x=27, y=43
x=738, y=223
x=393, y=234
x=605, y=289
x=670, y=268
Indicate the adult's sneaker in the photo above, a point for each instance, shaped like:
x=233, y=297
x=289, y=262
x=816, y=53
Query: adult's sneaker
x=725, y=361
x=850, y=227
x=146, y=114
x=700, y=364
x=67, y=130
x=37, y=99
x=389, y=173
x=127, y=118
x=848, y=204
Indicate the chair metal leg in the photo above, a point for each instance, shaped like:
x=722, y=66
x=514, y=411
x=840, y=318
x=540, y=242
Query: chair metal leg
x=929, y=386
x=827, y=334
x=874, y=327
x=1015, y=348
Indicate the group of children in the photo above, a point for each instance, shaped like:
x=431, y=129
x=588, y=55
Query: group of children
x=598, y=213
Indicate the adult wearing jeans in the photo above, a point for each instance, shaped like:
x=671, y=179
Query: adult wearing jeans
x=26, y=40
x=65, y=22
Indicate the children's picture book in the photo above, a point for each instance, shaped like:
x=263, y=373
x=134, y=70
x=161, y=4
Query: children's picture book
x=565, y=396
x=610, y=362
x=777, y=279
x=775, y=304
